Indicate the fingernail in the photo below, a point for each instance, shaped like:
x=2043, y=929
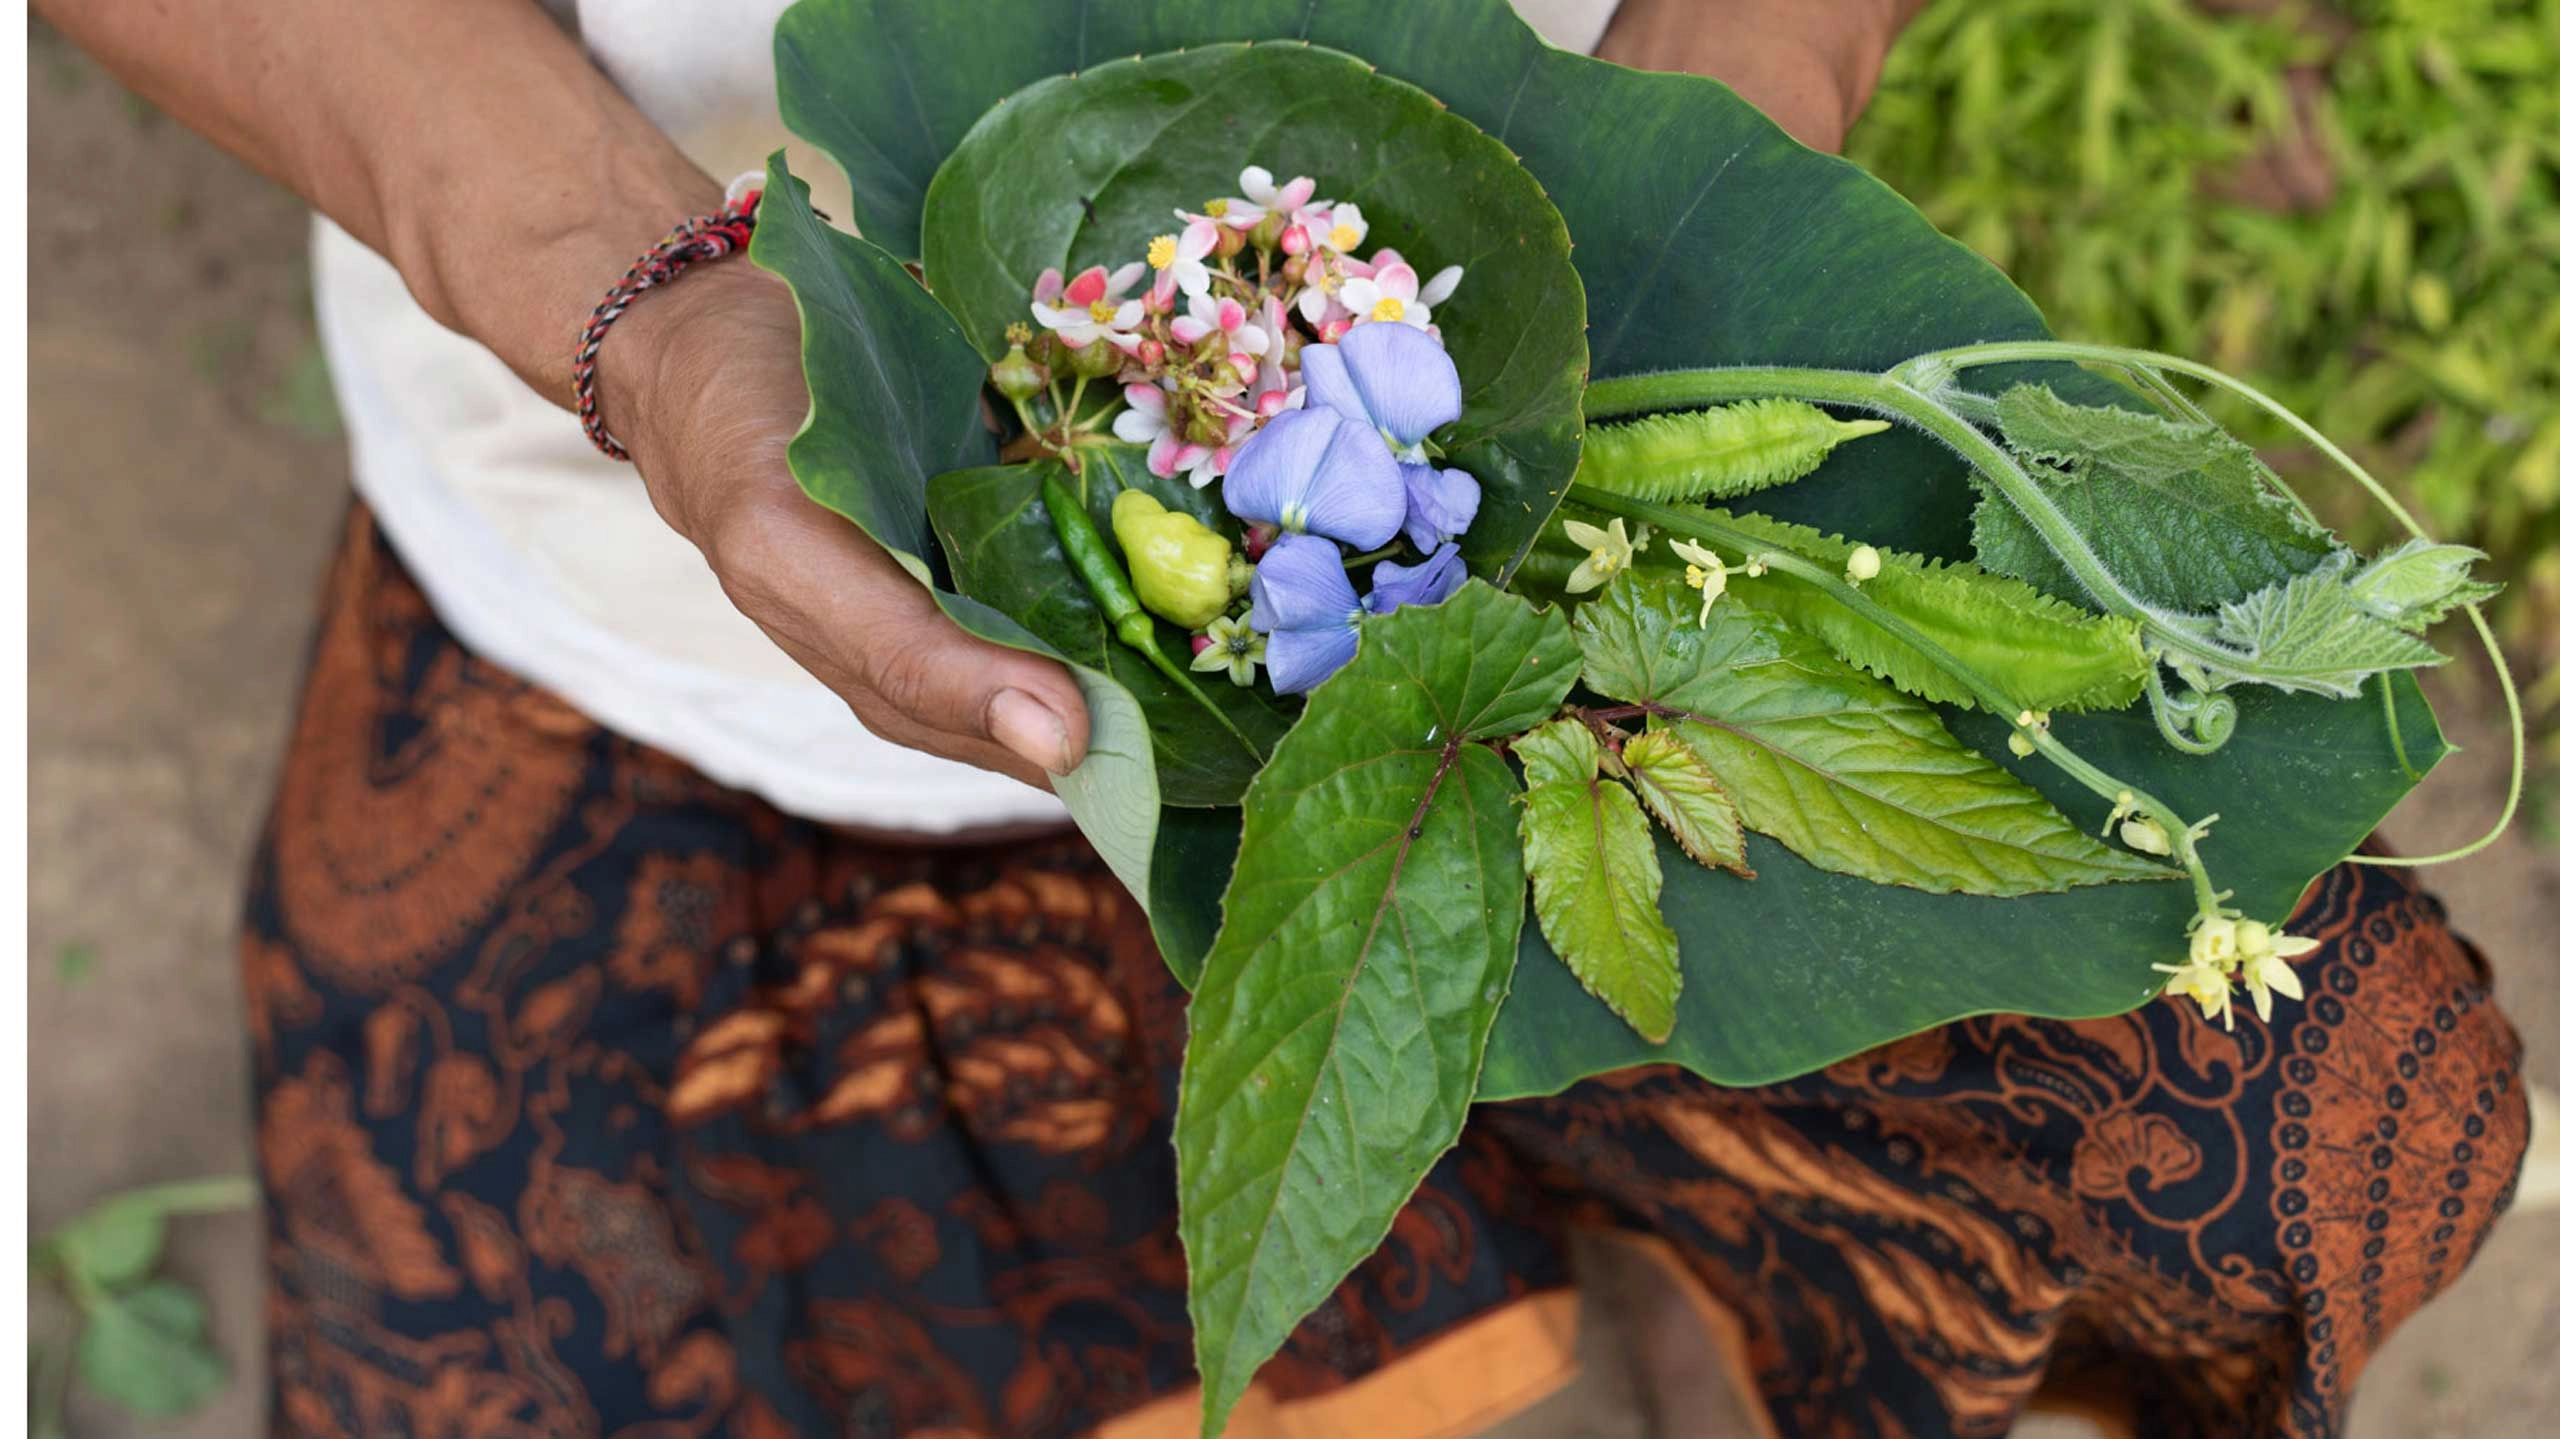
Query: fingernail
x=1030, y=729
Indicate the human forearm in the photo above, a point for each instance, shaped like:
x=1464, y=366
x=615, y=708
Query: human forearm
x=1810, y=64
x=470, y=141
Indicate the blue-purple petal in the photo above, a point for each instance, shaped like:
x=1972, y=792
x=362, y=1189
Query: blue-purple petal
x=1301, y=585
x=1299, y=660
x=1439, y=505
x=1407, y=383
x=1358, y=492
x=1428, y=583
x=1328, y=384
x=1271, y=470
x=1314, y=472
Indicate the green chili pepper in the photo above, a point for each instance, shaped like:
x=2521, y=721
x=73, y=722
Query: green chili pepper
x=1108, y=582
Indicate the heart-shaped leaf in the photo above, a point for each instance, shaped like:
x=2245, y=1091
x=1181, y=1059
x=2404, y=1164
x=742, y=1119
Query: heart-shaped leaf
x=1083, y=169
x=145, y=1349
x=1371, y=928
x=1594, y=877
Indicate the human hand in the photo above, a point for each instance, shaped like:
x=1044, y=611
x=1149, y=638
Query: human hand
x=701, y=381
x=1809, y=66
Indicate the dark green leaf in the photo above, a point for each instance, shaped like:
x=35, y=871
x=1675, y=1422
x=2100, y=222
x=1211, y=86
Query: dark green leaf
x=145, y=1349
x=1594, y=878
x=1370, y=931
x=893, y=400
x=1684, y=797
x=1084, y=168
x=2181, y=510
x=1004, y=551
x=1848, y=772
x=1195, y=855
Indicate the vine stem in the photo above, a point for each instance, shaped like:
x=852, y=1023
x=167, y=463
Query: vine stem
x=1894, y=397
x=1687, y=525
x=2152, y=361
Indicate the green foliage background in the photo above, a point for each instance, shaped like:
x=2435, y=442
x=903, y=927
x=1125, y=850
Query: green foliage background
x=2354, y=204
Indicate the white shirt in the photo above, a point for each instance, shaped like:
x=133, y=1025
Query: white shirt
x=546, y=557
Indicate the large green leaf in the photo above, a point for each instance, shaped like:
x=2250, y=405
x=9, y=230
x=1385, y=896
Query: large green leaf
x=1004, y=551
x=1370, y=932
x=893, y=401
x=1703, y=237
x=1082, y=169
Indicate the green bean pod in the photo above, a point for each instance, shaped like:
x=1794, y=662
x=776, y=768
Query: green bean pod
x=1714, y=454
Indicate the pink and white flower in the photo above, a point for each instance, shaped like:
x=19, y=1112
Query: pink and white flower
x=1319, y=301
x=1179, y=261
x=1224, y=316
x=1339, y=228
x=1092, y=306
x=1149, y=422
x=1261, y=197
x=1396, y=293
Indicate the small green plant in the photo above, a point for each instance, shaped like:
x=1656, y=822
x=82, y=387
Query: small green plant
x=141, y=1339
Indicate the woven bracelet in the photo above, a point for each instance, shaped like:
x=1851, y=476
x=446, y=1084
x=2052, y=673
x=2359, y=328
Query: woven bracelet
x=704, y=237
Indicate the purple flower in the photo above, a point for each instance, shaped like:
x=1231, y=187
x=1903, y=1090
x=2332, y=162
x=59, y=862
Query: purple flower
x=1428, y=583
x=1311, y=472
x=1392, y=377
x=1439, y=505
x=1302, y=599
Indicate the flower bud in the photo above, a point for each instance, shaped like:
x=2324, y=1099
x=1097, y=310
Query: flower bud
x=1864, y=564
x=1205, y=427
x=1294, y=241
x=2145, y=835
x=1200, y=643
x=1332, y=330
x=1095, y=360
x=1259, y=538
x=1151, y=353
x=1017, y=376
x=1294, y=269
x=1245, y=367
x=1230, y=243
x=1177, y=564
x=1266, y=232
x=1049, y=350
x=1239, y=577
x=1291, y=342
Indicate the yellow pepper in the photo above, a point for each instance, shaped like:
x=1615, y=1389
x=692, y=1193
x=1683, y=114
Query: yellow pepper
x=1178, y=564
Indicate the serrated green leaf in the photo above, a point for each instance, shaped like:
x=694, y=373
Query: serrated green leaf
x=1841, y=768
x=1594, y=879
x=1683, y=795
x=2309, y=634
x=2180, y=510
x=1371, y=928
x=2418, y=582
x=1719, y=453
x=1002, y=549
x=145, y=1349
x=2046, y=654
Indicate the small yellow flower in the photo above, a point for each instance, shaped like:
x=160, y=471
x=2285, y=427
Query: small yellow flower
x=1755, y=566
x=1160, y=251
x=1017, y=333
x=1610, y=552
x=1234, y=645
x=2263, y=969
x=2022, y=740
x=2209, y=985
x=1864, y=564
x=2215, y=940
x=1706, y=574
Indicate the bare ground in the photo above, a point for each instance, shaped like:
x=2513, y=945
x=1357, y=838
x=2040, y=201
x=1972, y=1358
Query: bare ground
x=186, y=483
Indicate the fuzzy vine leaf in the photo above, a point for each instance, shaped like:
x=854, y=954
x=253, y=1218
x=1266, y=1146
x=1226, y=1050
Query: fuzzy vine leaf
x=1683, y=795
x=2418, y=582
x=1719, y=453
x=2310, y=633
x=1595, y=880
x=2045, y=653
x=2181, y=511
x=1843, y=769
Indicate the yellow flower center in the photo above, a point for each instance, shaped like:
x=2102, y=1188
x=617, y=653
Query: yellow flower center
x=1345, y=237
x=1697, y=577
x=1160, y=251
x=1604, y=563
x=1215, y=208
x=1102, y=311
x=1387, y=308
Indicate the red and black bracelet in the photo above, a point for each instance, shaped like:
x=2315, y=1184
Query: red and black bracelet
x=704, y=237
